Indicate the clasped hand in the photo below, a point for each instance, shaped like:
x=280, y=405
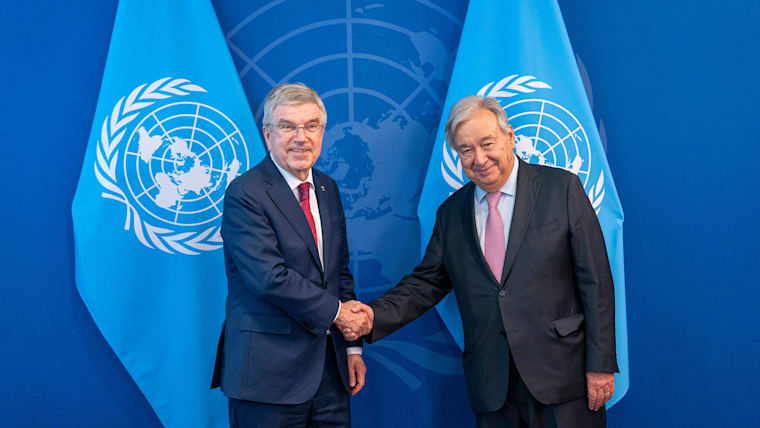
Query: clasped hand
x=354, y=319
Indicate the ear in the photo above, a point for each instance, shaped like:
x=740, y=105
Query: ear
x=510, y=134
x=267, y=134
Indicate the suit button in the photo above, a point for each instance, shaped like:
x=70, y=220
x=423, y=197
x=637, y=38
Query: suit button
x=307, y=325
x=503, y=334
x=502, y=293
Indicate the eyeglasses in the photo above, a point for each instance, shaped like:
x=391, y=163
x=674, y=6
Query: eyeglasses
x=289, y=128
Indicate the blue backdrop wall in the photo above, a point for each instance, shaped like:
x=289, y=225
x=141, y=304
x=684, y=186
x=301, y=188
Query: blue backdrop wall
x=672, y=86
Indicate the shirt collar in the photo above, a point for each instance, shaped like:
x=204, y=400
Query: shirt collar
x=509, y=187
x=291, y=179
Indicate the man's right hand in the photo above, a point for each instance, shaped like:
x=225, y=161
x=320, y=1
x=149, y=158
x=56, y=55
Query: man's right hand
x=354, y=319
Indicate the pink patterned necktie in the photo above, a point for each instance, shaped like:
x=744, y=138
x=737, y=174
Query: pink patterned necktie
x=494, y=246
x=303, y=189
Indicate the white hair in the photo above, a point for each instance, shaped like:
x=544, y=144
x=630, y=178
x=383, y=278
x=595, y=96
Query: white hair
x=465, y=108
x=291, y=94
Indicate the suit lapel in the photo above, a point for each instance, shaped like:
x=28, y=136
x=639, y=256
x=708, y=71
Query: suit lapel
x=323, y=200
x=525, y=199
x=471, y=230
x=285, y=201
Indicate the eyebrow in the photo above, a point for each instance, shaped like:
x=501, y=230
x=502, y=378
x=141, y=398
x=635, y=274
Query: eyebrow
x=487, y=137
x=288, y=121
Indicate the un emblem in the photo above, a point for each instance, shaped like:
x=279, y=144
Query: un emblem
x=546, y=133
x=174, y=162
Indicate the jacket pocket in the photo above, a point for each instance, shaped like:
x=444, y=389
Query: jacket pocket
x=567, y=325
x=266, y=324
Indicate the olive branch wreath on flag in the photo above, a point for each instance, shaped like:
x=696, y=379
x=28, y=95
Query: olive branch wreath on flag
x=111, y=134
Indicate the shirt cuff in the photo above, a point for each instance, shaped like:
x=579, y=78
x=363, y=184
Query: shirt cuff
x=354, y=350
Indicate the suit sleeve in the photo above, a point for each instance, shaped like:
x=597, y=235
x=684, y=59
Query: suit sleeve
x=253, y=247
x=594, y=279
x=415, y=293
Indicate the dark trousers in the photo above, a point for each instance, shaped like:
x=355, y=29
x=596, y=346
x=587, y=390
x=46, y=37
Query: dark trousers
x=328, y=409
x=522, y=410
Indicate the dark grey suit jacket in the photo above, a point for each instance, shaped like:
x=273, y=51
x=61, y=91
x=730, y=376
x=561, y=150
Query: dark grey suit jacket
x=553, y=310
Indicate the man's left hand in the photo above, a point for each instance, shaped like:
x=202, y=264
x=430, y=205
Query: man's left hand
x=600, y=388
x=356, y=372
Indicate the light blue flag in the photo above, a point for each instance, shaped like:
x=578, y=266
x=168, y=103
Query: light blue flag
x=172, y=128
x=518, y=52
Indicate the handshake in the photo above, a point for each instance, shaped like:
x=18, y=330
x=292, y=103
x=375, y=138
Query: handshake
x=354, y=319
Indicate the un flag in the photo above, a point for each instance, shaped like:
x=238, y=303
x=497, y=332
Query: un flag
x=172, y=128
x=519, y=54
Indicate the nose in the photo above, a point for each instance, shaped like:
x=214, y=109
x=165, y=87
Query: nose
x=300, y=138
x=480, y=156
x=300, y=133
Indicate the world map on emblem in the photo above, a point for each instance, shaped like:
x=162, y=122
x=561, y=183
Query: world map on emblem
x=548, y=134
x=383, y=79
x=180, y=159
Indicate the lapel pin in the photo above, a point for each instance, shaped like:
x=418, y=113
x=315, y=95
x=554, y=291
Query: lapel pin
x=322, y=187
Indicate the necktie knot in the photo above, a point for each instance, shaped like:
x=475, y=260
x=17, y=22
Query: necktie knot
x=303, y=192
x=493, y=199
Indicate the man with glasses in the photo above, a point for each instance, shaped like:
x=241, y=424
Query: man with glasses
x=282, y=362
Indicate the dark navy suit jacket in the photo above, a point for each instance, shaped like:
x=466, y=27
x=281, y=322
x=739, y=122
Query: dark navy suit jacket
x=553, y=309
x=281, y=301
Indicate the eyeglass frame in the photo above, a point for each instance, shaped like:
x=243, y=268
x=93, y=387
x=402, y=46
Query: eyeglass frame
x=293, y=130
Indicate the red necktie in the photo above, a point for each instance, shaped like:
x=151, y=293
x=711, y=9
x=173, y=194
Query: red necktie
x=303, y=190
